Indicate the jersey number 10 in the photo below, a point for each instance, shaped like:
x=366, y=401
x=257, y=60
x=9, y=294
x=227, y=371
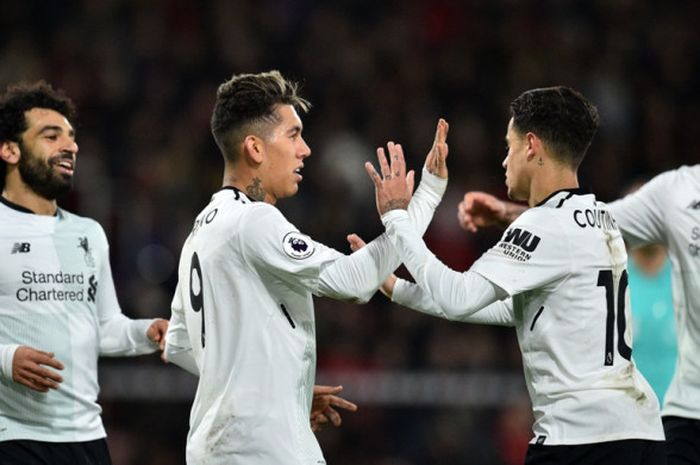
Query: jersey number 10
x=605, y=279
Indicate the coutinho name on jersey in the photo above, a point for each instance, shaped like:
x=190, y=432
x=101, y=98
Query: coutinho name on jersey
x=594, y=218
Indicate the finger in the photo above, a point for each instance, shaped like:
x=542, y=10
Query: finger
x=373, y=175
x=343, y=403
x=46, y=373
x=444, y=150
x=398, y=163
x=39, y=382
x=320, y=419
x=441, y=132
x=411, y=181
x=333, y=416
x=46, y=358
x=356, y=242
x=31, y=385
x=320, y=389
x=468, y=201
x=383, y=164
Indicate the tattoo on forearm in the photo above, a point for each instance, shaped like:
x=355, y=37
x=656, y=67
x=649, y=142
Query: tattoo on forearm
x=396, y=204
x=255, y=190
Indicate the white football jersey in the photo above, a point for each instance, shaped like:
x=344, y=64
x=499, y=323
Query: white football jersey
x=563, y=264
x=666, y=210
x=57, y=295
x=243, y=310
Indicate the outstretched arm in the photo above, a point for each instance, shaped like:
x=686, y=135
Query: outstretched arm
x=411, y=295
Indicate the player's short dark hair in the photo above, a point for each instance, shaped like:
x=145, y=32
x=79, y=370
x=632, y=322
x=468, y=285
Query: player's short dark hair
x=246, y=104
x=562, y=117
x=22, y=97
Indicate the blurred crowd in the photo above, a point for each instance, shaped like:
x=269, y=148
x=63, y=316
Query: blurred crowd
x=144, y=76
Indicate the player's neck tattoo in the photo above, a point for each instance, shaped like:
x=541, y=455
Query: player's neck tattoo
x=255, y=190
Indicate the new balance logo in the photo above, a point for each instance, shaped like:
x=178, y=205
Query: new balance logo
x=21, y=247
x=694, y=205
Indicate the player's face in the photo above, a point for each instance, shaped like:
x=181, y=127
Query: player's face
x=285, y=151
x=47, y=153
x=515, y=164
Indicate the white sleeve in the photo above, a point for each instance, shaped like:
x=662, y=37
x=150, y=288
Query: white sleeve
x=499, y=313
x=178, y=349
x=508, y=265
x=119, y=335
x=455, y=294
x=275, y=246
x=641, y=215
x=359, y=275
x=7, y=353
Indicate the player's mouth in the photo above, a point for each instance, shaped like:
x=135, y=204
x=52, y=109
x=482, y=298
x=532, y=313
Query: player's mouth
x=64, y=164
x=298, y=173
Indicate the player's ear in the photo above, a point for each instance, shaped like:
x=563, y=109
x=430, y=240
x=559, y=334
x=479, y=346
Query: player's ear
x=9, y=152
x=533, y=145
x=254, y=149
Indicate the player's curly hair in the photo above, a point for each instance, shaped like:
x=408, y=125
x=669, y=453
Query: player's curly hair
x=562, y=117
x=246, y=104
x=22, y=97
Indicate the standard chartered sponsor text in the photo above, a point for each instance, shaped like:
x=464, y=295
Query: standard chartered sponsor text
x=27, y=294
x=31, y=294
x=33, y=277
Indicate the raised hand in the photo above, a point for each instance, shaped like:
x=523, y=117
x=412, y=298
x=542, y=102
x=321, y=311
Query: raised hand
x=393, y=188
x=435, y=162
x=479, y=209
x=29, y=369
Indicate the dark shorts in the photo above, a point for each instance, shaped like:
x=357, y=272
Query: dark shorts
x=682, y=440
x=22, y=452
x=627, y=452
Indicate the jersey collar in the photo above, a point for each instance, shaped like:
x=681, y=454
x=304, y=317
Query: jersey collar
x=22, y=209
x=15, y=206
x=562, y=196
x=237, y=191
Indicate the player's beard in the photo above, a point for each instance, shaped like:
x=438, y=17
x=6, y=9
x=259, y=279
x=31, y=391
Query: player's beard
x=39, y=175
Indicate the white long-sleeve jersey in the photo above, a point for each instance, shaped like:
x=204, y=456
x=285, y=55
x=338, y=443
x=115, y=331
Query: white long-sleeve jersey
x=243, y=319
x=666, y=210
x=57, y=295
x=563, y=266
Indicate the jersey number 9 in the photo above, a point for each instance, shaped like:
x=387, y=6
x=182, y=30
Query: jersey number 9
x=197, y=290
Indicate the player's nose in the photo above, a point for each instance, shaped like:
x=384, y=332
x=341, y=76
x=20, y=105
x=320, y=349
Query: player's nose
x=304, y=150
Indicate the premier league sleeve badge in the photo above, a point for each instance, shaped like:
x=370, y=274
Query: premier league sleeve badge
x=297, y=245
